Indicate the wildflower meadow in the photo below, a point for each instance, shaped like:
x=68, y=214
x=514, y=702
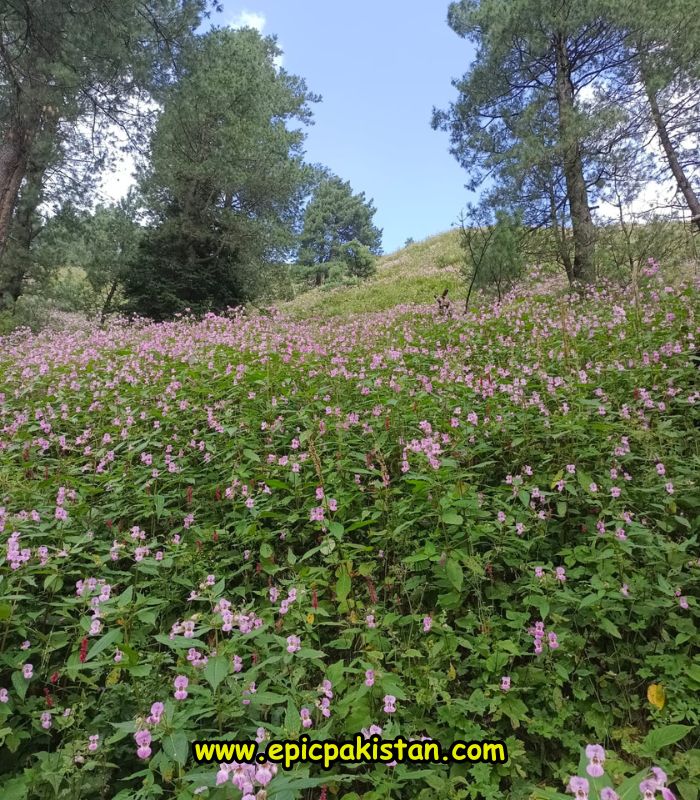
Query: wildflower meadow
x=481, y=526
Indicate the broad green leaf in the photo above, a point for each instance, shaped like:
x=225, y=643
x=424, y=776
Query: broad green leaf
x=663, y=737
x=216, y=670
x=105, y=641
x=454, y=573
x=177, y=746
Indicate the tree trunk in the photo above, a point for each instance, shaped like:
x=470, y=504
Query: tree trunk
x=23, y=229
x=108, y=301
x=14, y=152
x=560, y=237
x=671, y=156
x=576, y=190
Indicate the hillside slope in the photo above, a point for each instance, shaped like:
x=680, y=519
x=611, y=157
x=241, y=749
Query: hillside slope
x=413, y=274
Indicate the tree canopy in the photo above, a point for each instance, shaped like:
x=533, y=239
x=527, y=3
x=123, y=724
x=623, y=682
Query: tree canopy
x=227, y=178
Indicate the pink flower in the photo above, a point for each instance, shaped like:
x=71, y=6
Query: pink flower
x=427, y=624
x=293, y=644
x=369, y=678
x=157, y=710
x=28, y=671
x=94, y=741
x=46, y=721
x=181, y=683
x=648, y=788
x=505, y=683
x=317, y=514
x=579, y=787
x=143, y=740
x=389, y=704
x=608, y=794
x=369, y=619
x=596, y=758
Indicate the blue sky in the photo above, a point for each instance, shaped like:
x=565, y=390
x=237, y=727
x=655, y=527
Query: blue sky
x=380, y=66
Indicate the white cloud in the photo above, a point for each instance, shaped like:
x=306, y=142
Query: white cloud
x=249, y=19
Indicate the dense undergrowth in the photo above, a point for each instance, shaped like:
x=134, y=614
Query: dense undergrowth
x=431, y=505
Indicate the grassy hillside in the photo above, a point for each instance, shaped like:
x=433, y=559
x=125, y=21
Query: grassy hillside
x=414, y=274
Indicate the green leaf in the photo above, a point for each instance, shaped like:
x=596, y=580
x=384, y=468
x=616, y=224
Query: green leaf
x=454, y=573
x=450, y=518
x=179, y=642
x=610, y=627
x=5, y=611
x=343, y=586
x=20, y=683
x=267, y=698
x=663, y=737
x=177, y=746
x=336, y=529
x=687, y=790
x=266, y=550
x=103, y=643
x=216, y=670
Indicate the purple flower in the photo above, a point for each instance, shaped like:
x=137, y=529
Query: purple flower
x=305, y=715
x=648, y=788
x=505, y=683
x=157, y=710
x=596, y=757
x=369, y=678
x=427, y=624
x=143, y=740
x=293, y=644
x=608, y=794
x=659, y=775
x=579, y=787
x=389, y=704
x=181, y=683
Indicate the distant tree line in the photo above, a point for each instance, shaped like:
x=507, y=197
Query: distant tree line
x=225, y=205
